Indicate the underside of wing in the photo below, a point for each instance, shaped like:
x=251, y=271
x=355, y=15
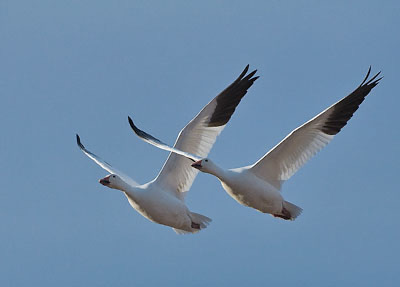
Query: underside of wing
x=105, y=165
x=282, y=161
x=197, y=138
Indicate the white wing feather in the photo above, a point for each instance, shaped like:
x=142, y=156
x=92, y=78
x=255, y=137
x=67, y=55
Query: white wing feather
x=105, y=165
x=287, y=157
x=197, y=138
x=177, y=173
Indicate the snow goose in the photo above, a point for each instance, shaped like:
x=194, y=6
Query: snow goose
x=258, y=185
x=162, y=199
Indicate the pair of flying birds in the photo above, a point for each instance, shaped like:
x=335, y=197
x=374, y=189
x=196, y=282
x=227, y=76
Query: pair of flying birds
x=257, y=185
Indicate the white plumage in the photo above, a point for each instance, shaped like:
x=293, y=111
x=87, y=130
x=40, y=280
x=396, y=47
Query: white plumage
x=258, y=185
x=162, y=199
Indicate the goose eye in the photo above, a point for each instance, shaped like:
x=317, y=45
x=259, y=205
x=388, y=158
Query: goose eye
x=113, y=176
x=206, y=160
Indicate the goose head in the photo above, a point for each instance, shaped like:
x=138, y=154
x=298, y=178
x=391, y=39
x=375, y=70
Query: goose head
x=205, y=165
x=113, y=181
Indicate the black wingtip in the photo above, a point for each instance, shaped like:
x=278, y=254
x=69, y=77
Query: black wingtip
x=78, y=142
x=138, y=131
x=135, y=129
x=130, y=121
x=243, y=73
x=371, y=82
x=249, y=76
x=366, y=77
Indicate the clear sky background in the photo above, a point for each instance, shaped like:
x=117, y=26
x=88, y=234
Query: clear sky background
x=83, y=66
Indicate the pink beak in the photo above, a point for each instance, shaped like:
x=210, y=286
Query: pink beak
x=197, y=164
x=105, y=181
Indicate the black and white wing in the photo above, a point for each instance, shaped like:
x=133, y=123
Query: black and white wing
x=196, y=139
x=158, y=143
x=105, y=165
x=282, y=161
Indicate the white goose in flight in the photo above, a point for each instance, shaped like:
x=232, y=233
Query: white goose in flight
x=162, y=199
x=258, y=185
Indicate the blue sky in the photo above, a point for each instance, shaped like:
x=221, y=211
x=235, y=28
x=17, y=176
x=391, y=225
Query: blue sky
x=83, y=66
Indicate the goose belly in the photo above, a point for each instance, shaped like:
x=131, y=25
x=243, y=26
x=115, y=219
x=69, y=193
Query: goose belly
x=165, y=211
x=255, y=194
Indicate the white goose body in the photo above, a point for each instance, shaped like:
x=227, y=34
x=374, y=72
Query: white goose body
x=158, y=206
x=162, y=199
x=246, y=188
x=259, y=185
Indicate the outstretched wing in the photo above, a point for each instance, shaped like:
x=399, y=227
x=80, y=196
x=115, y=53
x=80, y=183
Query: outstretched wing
x=196, y=139
x=287, y=157
x=156, y=142
x=105, y=165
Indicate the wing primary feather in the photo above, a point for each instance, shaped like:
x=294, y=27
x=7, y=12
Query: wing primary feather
x=243, y=73
x=250, y=75
x=156, y=142
x=366, y=77
x=373, y=78
x=78, y=141
x=83, y=148
x=103, y=164
x=229, y=99
x=282, y=161
x=343, y=110
x=142, y=134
